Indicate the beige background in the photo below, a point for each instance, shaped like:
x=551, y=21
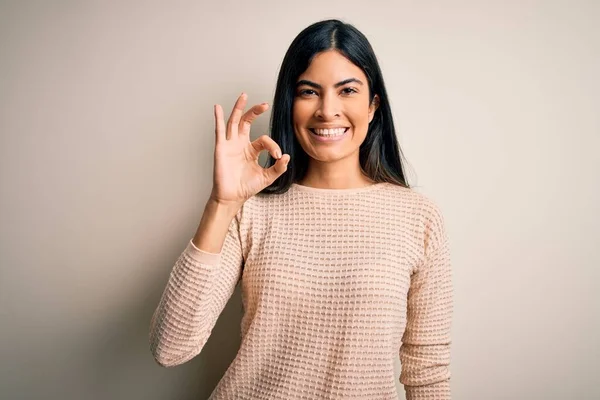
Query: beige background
x=106, y=156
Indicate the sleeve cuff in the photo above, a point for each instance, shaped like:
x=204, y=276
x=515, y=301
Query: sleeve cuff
x=437, y=391
x=202, y=256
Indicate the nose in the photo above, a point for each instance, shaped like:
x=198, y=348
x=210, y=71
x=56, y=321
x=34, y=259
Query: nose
x=328, y=108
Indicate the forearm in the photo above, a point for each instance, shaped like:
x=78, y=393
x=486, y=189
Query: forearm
x=426, y=371
x=434, y=391
x=200, y=284
x=182, y=320
x=213, y=226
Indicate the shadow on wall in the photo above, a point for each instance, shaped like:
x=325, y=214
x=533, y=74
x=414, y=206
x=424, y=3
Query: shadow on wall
x=124, y=367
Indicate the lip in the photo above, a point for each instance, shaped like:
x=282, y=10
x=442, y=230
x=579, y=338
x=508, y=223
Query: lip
x=331, y=139
x=329, y=127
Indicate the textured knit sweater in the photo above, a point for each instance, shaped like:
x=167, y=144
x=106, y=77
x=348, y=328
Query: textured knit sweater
x=336, y=285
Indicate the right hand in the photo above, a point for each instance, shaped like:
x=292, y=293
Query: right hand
x=237, y=174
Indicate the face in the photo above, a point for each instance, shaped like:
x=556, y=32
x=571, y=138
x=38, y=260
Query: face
x=331, y=108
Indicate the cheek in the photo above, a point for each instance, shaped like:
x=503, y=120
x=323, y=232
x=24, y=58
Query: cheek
x=300, y=113
x=359, y=114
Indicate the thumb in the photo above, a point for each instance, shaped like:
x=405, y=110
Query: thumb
x=277, y=169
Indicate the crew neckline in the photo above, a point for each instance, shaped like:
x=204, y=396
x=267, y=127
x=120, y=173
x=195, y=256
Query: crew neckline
x=338, y=191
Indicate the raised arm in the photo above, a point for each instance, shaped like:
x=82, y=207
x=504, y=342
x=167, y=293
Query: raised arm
x=206, y=273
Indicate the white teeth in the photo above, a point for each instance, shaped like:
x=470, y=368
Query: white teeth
x=330, y=132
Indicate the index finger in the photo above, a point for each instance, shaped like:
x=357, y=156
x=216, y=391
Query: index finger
x=250, y=116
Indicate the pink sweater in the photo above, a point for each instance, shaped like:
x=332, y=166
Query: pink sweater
x=336, y=284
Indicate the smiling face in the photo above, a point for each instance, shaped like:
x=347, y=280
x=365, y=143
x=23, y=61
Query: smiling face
x=331, y=110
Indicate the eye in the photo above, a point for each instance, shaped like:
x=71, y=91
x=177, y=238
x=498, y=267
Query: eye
x=349, y=90
x=306, y=92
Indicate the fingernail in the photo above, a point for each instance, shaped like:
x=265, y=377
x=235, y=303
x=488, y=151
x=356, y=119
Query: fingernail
x=278, y=154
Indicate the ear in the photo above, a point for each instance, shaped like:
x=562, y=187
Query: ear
x=373, y=107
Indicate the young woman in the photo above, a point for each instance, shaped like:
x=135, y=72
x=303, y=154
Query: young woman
x=343, y=267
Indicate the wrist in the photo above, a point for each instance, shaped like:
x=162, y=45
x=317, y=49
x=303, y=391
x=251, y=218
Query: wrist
x=220, y=206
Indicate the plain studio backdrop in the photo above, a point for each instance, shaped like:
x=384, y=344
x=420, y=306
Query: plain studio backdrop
x=107, y=139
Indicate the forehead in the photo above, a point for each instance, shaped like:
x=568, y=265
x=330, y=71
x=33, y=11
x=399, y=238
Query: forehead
x=330, y=67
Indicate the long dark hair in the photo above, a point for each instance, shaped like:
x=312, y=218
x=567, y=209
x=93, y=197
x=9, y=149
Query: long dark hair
x=380, y=155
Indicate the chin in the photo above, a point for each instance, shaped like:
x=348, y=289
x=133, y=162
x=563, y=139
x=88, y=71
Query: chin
x=330, y=155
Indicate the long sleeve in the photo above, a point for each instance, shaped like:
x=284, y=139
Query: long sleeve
x=425, y=350
x=199, y=287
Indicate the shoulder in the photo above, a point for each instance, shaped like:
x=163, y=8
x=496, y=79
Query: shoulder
x=415, y=202
x=422, y=210
x=257, y=208
x=258, y=203
x=433, y=222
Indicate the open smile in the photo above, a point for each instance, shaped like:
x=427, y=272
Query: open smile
x=329, y=135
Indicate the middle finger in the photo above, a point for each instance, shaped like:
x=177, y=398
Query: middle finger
x=234, y=118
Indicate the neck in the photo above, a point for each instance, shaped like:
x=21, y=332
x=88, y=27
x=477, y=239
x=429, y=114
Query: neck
x=341, y=174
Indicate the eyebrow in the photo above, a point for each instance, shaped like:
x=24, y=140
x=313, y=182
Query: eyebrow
x=317, y=86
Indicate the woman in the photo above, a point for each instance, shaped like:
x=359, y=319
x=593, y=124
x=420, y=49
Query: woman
x=343, y=267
